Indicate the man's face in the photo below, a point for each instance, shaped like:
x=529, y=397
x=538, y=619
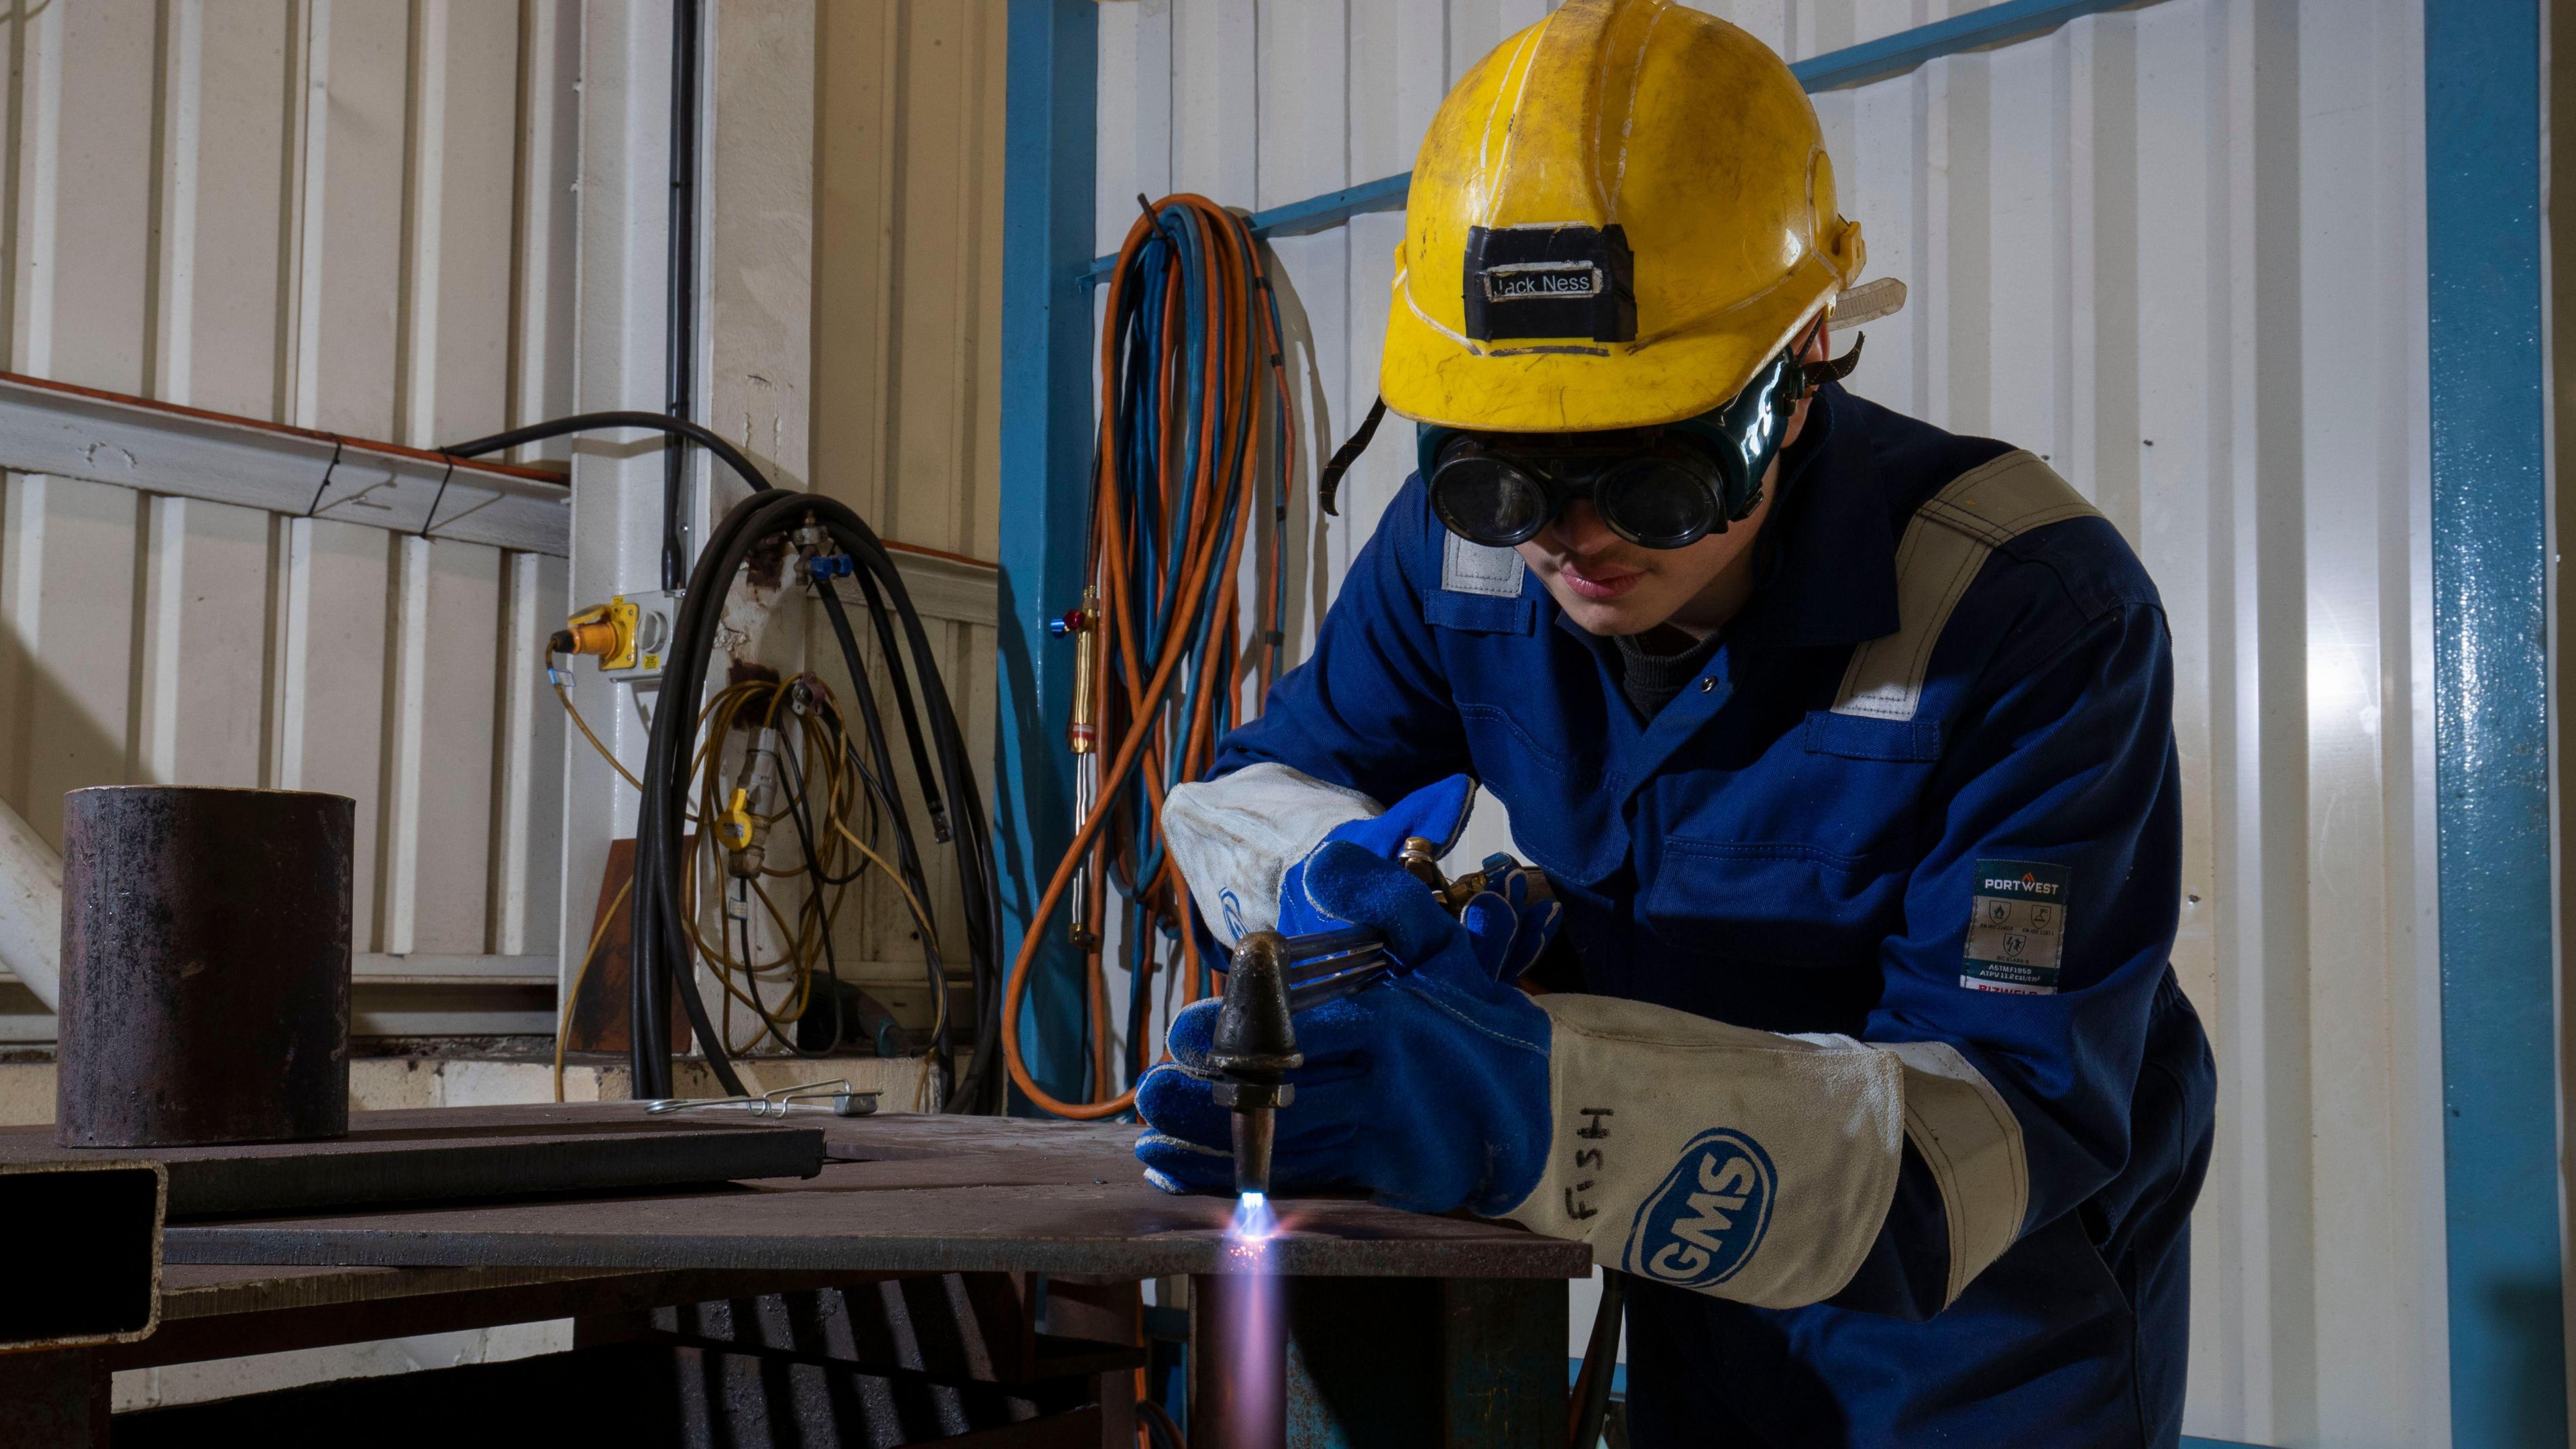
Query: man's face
x=1610, y=587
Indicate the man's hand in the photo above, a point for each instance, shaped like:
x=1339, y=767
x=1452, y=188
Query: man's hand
x=1428, y=1090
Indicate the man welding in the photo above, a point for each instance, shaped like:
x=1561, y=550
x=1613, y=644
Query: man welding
x=1845, y=747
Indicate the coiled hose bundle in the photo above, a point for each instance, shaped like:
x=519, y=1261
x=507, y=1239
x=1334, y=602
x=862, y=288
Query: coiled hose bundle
x=1189, y=457
x=661, y=903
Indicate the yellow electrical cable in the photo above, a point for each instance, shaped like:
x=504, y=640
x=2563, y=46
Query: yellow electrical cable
x=583, y=725
x=802, y=947
x=563, y=1018
x=920, y=917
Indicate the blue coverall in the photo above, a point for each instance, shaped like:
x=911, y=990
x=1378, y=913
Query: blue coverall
x=1752, y=857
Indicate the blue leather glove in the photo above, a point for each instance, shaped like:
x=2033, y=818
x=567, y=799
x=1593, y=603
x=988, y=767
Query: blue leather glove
x=1428, y=1090
x=1437, y=813
x=1532, y=924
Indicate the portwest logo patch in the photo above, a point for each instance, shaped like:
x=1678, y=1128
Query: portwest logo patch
x=1709, y=1215
x=1233, y=915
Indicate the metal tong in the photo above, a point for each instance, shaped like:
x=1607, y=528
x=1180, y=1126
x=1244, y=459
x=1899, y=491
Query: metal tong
x=846, y=1101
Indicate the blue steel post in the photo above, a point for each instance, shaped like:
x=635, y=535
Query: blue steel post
x=1046, y=447
x=2482, y=121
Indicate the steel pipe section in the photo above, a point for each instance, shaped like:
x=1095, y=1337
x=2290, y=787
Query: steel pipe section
x=205, y=966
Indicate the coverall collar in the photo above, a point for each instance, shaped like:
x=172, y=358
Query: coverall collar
x=1829, y=546
x=1830, y=577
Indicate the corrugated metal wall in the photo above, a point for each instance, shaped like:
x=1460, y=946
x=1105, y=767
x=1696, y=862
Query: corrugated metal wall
x=346, y=216
x=2178, y=249
x=851, y=282
x=907, y=366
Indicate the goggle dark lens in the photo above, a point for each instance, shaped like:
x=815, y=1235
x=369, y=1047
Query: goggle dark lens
x=1488, y=500
x=1656, y=502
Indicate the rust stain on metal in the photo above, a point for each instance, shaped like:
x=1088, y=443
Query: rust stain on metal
x=766, y=564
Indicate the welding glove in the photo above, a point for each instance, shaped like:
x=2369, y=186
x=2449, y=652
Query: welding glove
x=1745, y=1164
x=1239, y=840
x=1428, y=1089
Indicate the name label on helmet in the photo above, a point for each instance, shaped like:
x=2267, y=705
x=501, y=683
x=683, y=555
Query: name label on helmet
x=1516, y=280
x=1554, y=280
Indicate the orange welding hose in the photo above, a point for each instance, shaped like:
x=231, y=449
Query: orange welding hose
x=1196, y=741
x=1231, y=379
x=1113, y=569
x=1229, y=375
x=1111, y=779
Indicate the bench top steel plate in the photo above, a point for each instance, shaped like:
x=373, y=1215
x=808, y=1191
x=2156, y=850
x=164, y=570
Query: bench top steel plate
x=424, y=1154
x=904, y=1194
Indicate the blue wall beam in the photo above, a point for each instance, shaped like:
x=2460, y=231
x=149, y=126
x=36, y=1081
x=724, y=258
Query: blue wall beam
x=1890, y=55
x=1051, y=126
x=1896, y=54
x=2491, y=720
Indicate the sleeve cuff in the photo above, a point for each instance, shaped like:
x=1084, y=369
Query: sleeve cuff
x=1972, y=1144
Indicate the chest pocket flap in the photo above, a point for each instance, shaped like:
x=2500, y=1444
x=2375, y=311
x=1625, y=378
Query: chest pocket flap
x=1480, y=590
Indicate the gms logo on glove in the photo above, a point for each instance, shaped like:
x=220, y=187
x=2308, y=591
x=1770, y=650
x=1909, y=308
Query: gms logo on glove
x=1706, y=1219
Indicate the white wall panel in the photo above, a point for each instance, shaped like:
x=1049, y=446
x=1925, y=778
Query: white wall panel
x=905, y=349
x=329, y=213
x=2177, y=249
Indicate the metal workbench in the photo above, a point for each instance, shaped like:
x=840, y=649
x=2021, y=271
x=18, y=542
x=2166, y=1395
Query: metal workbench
x=791, y=1307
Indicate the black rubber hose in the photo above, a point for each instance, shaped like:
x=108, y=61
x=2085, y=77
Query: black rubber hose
x=881, y=779
x=977, y=876
x=661, y=951
x=749, y=521
x=895, y=675
x=1600, y=1362
x=864, y=695
x=972, y=834
x=661, y=942
x=731, y=456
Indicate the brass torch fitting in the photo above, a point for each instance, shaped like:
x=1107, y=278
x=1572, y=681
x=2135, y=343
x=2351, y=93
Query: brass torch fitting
x=1083, y=734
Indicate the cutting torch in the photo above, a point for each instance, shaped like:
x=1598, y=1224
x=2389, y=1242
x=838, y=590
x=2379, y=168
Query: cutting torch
x=1272, y=977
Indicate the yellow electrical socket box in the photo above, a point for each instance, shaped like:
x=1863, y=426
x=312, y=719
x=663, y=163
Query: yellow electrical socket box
x=629, y=634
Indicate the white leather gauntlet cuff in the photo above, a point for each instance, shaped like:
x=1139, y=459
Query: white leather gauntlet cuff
x=1743, y=1164
x=1756, y=1166
x=1234, y=838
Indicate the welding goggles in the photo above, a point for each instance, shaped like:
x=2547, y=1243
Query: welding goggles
x=1661, y=487
x=1658, y=487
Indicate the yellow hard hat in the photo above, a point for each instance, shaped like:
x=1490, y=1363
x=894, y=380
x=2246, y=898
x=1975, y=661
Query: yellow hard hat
x=1617, y=218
